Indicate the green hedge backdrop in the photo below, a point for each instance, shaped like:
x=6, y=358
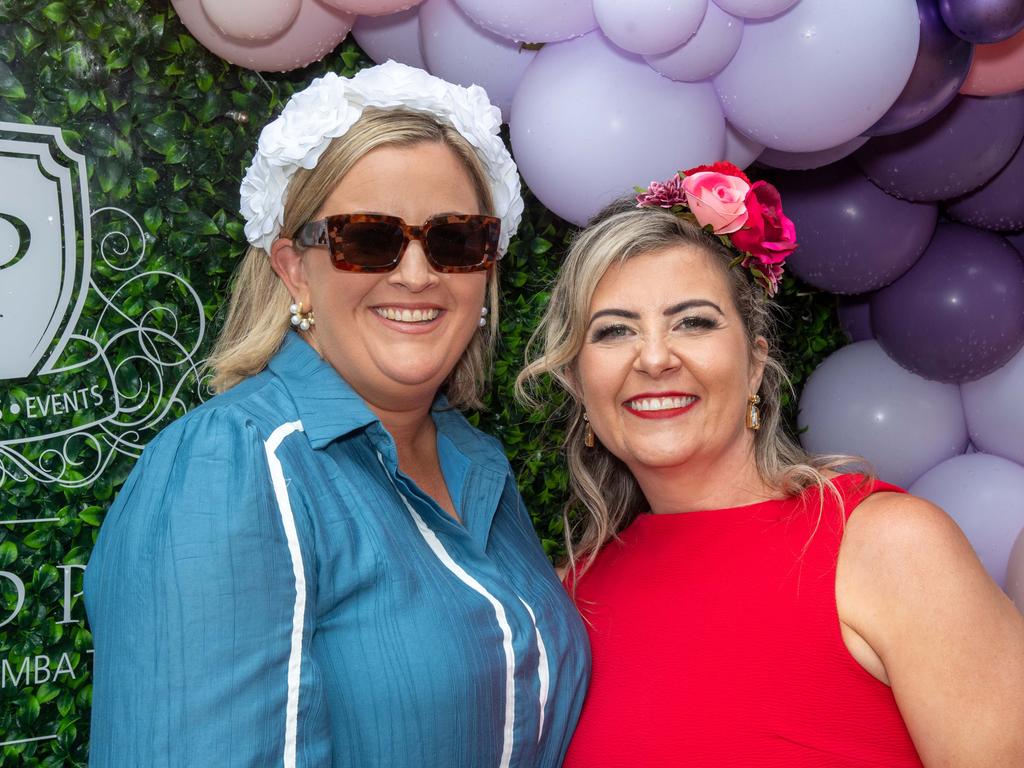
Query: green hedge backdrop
x=167, y=129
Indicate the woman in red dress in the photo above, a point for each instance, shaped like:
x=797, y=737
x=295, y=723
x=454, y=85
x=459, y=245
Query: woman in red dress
x=748, y=604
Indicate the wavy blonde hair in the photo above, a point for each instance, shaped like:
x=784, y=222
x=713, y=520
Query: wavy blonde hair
x=258, y=317
x=601, y=487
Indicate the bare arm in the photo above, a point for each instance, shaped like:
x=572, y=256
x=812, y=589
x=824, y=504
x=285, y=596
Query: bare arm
x=951, y=643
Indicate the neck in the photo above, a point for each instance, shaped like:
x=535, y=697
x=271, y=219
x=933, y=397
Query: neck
x=718, y=482
x=412, y=429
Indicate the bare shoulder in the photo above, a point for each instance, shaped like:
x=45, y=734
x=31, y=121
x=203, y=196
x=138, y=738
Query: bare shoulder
x=890, y=524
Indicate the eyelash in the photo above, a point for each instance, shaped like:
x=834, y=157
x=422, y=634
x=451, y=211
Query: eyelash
x=693, y=322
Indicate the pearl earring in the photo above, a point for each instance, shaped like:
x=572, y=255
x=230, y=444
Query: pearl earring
x=300, y=319
x=483, y=316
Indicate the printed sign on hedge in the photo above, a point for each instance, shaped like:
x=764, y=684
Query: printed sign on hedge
x=83, y=385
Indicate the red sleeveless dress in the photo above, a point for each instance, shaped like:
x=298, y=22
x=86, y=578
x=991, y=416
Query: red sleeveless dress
x=716, y=642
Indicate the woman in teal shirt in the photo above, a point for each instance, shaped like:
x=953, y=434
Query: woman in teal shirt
x=326, y=565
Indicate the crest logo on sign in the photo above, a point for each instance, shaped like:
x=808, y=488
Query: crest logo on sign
x=92, y=362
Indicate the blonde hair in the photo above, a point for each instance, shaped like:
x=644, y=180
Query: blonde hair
x=601, y=486
x=258, y=317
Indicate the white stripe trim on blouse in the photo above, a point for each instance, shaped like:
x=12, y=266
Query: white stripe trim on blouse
x=543, y=673
x=499, y=611
x=284, y=506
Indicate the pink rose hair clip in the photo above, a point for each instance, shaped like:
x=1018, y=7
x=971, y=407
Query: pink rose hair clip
x=747, y=217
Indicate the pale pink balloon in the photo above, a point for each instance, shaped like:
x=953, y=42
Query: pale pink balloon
x=1015, y=573
x=316, y=31
x=251, y=19
x=372, y=7
x=997, y=68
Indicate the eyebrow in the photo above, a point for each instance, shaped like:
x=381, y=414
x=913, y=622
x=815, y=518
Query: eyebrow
x=673, y=310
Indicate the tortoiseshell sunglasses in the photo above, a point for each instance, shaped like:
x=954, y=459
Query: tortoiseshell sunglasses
x=371, y=242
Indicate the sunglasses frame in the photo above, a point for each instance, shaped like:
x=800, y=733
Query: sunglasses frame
x=326, y=233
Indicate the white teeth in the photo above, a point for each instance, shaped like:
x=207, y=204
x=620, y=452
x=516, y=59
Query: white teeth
x=407, y=315
x=660, y=403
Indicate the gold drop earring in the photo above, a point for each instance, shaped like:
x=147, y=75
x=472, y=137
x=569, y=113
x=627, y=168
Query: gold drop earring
x=753, y=412
x=588, y=432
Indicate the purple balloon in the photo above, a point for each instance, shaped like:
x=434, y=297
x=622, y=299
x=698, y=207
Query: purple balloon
x=590, y=122
x=395, y=36
x=739, y=150
x=983, y=21
x=756, y=9
x=855, y=317
x=984, y=495
x=943, y=60
x=459, y=51
x=956, y=151
x=958, y=313
x=1017, y=241
x=532, y=21
x=995, y=418
x=705, y=54
x=821, y=73
x=853, y=237
x=1015, y=573
x=859, y=402
x=999, y=203
x=806, y=161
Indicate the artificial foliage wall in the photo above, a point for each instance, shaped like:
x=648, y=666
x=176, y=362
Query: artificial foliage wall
x=122, y=143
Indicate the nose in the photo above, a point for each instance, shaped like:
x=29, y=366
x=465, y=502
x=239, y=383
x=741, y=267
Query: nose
x=413, y=271
x=655, y=356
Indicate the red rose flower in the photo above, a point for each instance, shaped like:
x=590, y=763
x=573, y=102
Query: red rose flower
x=721, y=166
x=769, y=236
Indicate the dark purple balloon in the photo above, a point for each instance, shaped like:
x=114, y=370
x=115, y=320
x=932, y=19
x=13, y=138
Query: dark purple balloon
x=958, y=313
x=999, y=203
x=853, y=237
x=955, y=152
x=983, y=21
x=943, y=60
x=855, y=317
x=1016, y=240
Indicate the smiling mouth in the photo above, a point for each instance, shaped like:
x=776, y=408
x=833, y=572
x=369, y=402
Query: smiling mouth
x=648, y=404
x=400, y=315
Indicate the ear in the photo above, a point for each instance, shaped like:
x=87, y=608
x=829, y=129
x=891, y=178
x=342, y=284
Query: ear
x=758, y=358
x=288, y=264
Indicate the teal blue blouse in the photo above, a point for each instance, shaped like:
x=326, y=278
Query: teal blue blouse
x=269, y=589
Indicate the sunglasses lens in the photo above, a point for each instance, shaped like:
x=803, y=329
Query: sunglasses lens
x=370, y=245
x=459, y=245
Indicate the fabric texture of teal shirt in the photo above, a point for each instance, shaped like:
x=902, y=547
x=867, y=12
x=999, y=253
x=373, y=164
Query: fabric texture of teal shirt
x=269, y=589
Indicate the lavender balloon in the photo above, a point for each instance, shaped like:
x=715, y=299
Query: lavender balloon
x=854, y=238
x=985, y=495
x=983, y=21
x=855, y=317
x=590, y=122
x=943, y=60
x=859, y=402
x=739, y=150
x=395, y=36
x=459, y=51
x=995, y=419
x=532, y=21
x=804, y=81
x=1015, y=573
x=955, y=152
x=706, y=53
x=958, y=313
x=806, y=161
x=649, y=26
x=755, y=9
x=999, y=203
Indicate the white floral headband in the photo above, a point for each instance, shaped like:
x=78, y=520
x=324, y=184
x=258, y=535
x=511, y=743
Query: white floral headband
x=332, y=104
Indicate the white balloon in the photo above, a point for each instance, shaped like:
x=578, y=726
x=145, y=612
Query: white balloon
x=252, y=19
x=706, y=53
x=649, y=26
